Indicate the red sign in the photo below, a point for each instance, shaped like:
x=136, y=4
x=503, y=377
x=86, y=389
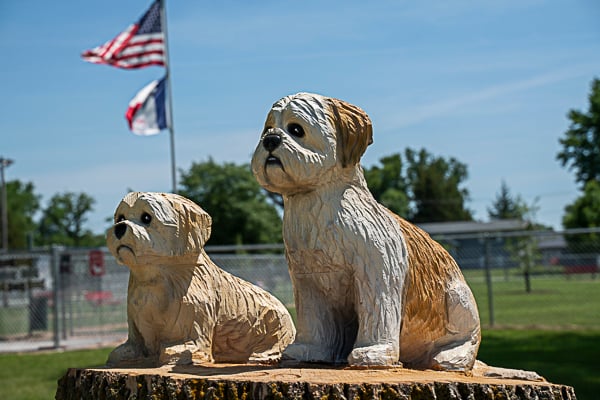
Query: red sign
x=96, y=262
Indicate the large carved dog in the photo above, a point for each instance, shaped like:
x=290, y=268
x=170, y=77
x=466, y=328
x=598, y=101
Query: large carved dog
x=181, y=307
x=370, y=288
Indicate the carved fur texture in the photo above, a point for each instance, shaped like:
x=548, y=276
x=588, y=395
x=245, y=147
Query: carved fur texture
x=181, y=307
x=370, y=288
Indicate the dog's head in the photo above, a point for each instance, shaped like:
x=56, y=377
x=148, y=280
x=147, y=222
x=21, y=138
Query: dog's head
x=306, y=139
x=150, y=227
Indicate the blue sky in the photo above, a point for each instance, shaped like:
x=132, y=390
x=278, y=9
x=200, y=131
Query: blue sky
x=486, y=82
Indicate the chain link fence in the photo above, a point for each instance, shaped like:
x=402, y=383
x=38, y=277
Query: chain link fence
x=520, y=279
x=532, y=279
x=60, y=293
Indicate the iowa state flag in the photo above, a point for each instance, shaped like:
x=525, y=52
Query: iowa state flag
x=146, y=113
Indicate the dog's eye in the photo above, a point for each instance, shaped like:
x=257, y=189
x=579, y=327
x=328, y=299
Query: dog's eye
x=146, y=218
x=120, y=218
x=295, y=130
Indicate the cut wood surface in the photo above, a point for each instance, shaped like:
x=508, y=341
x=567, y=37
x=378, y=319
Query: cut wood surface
x=229, y=381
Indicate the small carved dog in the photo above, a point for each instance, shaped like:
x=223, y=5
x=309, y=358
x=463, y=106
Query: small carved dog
x=370, y=288
x=181, y=307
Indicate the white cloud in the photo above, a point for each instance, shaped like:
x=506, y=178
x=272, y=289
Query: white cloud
x=447, y=106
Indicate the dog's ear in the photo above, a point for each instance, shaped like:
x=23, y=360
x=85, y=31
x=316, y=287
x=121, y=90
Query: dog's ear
x=194, y=224
x=201, y=224
x=353, y=129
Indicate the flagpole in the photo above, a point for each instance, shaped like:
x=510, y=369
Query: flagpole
x=170, y=124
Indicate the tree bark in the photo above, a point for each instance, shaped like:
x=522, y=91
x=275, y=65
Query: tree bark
x=252, y=382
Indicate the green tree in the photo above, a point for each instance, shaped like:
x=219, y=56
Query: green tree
x=239, y=207
x=435, y=184
x=507, y=206
x=525, y=249
x=388, y=185
x=522, y=249
x=584, y=212
x=422, y=189
x=581, y=144
x=63, y=221
x=23, y=203
x=581, y=153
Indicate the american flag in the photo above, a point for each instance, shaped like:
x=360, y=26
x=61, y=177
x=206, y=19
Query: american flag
x=140, y=45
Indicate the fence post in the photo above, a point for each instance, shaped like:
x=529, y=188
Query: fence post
x=488, y=277
x=30, y=308
x=64, y=286
x=56, y=285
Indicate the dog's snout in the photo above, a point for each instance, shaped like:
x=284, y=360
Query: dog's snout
x=271, y=142
x=120, y=230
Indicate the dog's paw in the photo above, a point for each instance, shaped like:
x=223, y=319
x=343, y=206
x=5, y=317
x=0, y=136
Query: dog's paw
x=302, y=352
x=455, y=358
x=124, y=354
x=376, y=355
x=183, y=354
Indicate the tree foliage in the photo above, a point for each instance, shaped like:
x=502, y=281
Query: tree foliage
x=581, y=153
x=239, y=208
x=425, y=188
x=388, y=185
x=507, y=206
x=23, y=203
x=522, y=249
x=435, y=184
x=584, y=212
x=581, y=143
x=63, y=221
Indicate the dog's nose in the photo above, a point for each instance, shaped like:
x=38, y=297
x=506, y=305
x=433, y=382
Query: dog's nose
x=120, y=230
x=271, y=142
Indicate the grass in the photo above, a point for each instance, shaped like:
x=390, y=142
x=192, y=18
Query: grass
x=568, y=358
x=565, y=357
x=34, y=375
x=555, y=302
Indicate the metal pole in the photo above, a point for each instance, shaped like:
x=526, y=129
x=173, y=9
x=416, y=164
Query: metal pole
x=488, y=279
x=4, y=162
x=63, y=304
x=56, y=286
x=4, y=210
x=169, y=97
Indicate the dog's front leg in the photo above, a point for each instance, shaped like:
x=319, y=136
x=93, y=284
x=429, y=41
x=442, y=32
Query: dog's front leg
x=127, y=353
x=192, y=335
x=314, y=323
x=131, y=352
x=378, y=307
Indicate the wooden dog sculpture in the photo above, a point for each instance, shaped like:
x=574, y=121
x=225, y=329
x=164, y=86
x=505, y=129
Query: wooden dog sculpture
x=181, y=307
x=370, y=288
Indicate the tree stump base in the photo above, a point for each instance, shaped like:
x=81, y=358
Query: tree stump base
x=227, y=381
